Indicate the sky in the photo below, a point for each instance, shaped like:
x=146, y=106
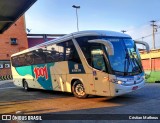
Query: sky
x=58, y=17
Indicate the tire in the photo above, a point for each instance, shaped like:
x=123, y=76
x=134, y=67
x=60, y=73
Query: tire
x=78, y=90
x=25, y=85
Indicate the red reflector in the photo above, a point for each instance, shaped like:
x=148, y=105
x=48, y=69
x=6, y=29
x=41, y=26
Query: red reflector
x=135, y=88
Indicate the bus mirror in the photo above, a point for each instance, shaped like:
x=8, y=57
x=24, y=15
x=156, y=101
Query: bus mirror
x=143, y=43
x=107, y=44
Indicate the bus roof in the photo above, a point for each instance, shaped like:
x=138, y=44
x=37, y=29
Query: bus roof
x=100, y=32
x=76, y=35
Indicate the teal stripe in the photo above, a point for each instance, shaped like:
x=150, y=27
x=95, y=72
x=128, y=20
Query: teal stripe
x=29, y=70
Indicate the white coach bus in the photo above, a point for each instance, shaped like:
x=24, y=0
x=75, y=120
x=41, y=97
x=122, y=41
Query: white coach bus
x=85, y=63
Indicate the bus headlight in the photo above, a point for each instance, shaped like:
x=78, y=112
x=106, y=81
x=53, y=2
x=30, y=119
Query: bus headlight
x=119, y=82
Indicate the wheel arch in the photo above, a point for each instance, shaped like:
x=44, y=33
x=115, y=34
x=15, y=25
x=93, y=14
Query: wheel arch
x=23, y=80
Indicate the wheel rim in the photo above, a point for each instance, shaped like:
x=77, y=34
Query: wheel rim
x=79, y=89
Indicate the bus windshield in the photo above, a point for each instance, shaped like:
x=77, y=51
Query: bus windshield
x=125, y=61
x=126, y=58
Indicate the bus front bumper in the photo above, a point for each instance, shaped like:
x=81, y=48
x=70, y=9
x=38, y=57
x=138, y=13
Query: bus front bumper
x=123, y=89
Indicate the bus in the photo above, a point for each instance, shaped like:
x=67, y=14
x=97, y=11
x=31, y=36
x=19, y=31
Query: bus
x=95, y=62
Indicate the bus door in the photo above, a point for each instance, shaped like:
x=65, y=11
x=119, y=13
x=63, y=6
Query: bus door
x=58, y=73
x=100, y=75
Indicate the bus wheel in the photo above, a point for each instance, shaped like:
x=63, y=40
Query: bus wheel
x=78, y=90
x=25, y=85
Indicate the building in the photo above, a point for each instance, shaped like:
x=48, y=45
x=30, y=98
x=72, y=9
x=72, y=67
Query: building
x=35, y=39
x=11, y=41
x=151, y=65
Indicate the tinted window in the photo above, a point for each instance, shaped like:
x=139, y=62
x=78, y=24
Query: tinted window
x=14, y=61
x=21, y=60
x=29, y=57
x=86, y=47
x=92, y=53
x=61, y=50
x=64, y=51
x=39, y=56
x=71, y=53
x=52, y=53
x=98, y=60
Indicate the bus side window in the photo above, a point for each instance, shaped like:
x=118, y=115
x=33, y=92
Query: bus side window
x=14, y=61
x=22, y=61
x=71, y=53
x=61, y=51
x=50, y=56
x=93, y=52
x=52, y=53
x=39, y=56
x=29, y=58
x=18, y=61
x=98, y=60
x=87, y=53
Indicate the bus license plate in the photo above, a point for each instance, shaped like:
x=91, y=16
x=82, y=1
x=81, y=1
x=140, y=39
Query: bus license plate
x=135, y=88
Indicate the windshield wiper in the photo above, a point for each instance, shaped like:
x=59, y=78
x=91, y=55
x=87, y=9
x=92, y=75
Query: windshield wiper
x=126, y=63
x=131, y=61
x=135, y=60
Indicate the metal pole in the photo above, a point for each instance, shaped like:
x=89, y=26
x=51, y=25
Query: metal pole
x=153, y=38
x=76, y=7
x=153, y=28
x=77, y=19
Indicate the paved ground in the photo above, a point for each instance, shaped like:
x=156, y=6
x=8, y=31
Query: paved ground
x=143, y=101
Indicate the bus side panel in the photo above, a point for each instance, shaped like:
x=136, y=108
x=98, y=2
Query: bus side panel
x=19, y=76
x=37, y=76
x=62, y=73
x=58, y=76
x=17, y=79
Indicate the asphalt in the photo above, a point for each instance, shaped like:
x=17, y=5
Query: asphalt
x=144, y=101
